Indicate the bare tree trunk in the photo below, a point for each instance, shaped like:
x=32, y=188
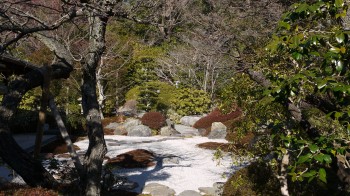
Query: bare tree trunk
x=97, y=147
x=42, y=112
x=101, y=96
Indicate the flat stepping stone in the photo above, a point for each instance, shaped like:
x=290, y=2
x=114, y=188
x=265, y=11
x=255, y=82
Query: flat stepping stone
x=207, y=190
x=189, y=193
x=155, y=189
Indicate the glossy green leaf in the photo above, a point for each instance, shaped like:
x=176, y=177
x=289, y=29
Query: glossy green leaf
x=335, y=50
x=302, y=7
x=284, y=25
x=338, y=115
x=309, y=174
x=321, y=83
x=340, y=37
x=327, y=158
x=322, y=175
x=339, y=3
x=313, y=148
x=304, y=158
x=297, y=56
x=319, y=157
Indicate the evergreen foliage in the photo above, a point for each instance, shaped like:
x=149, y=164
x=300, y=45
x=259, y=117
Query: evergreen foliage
x=152, y=95
x=191, y=102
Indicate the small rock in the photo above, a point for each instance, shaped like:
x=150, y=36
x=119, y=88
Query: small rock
x=171, y=160
x=156, y=189
x=170, y=123
x=189, y=193
x=139, y=131
x=219, y=188
x=207, y=190
x=124, y=185
x=168, y=131
x=218, y=131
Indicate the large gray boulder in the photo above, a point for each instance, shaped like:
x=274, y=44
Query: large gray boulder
x=168, y=131
x=120, y=130
x=218, y=131
x=124, y=128
x=139, y=131
x=112, y=125
x=131, y=122
x=156, y=189
x=189, y=120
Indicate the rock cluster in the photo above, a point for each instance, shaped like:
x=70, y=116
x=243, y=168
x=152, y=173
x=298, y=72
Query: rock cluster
x=155, y=189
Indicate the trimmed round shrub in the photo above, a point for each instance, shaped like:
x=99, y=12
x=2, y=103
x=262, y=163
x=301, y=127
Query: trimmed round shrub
x=154, y=120
x=189, y=101
x=216, y=116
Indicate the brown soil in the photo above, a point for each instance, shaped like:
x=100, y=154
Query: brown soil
x=229, y=147
x=133, y=159
x=226, y=147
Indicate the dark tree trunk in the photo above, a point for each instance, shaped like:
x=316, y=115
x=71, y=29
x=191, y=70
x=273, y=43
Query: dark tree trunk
x=28, y=168
x=94, y=156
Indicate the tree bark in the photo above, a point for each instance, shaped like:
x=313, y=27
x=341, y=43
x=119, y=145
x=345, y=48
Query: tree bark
x=28, y=168
x=42, y=112
x=97, y=146
x=101, y=96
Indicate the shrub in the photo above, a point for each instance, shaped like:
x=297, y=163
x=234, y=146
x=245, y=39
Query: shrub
x=29, y=121
x=133, y=93
x=154, y=120
x=191, y=102
x=152, y=95
x=256, y=179
x=216, y=116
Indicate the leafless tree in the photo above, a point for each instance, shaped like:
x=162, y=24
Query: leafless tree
x=20, y=20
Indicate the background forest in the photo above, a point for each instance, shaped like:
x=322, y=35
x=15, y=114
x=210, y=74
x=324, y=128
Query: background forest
x=283, y=64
